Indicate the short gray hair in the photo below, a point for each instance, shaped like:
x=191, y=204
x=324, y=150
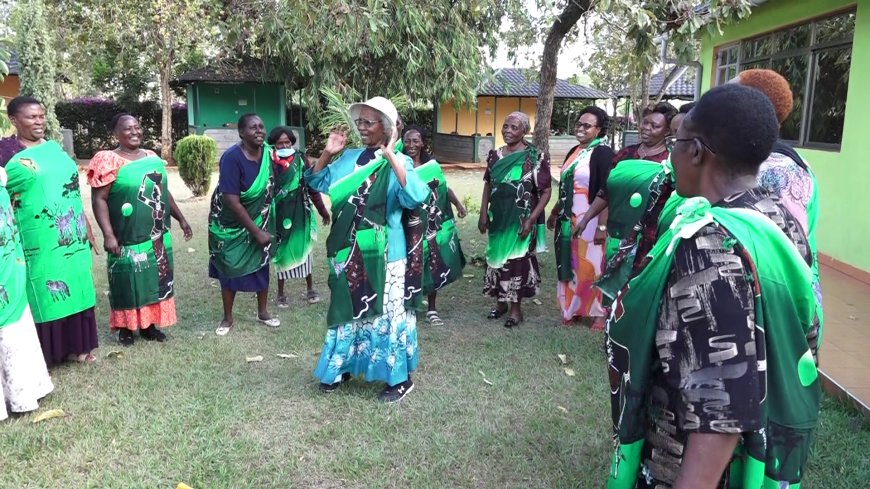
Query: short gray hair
x=523, y=118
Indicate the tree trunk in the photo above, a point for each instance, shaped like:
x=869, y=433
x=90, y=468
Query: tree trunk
x=549, y=61
x=166, y=110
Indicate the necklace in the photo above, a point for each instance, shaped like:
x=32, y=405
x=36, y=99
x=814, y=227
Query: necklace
x=124, y=151
x=652, y=151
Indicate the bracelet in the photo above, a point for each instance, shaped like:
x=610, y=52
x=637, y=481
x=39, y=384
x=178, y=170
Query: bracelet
x=602, y=227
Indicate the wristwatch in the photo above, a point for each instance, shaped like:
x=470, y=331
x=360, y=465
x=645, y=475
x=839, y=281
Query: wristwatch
x=602, y=227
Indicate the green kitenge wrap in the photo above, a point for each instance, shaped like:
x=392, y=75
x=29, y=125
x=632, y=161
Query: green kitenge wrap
x=784, y=308
x=13, y=271
x=633, y=188
x=295, y=227
x=139, y=212
x=357, y=243
x=44, y=187
x=435, y=256
x=512, y=183
x=231, y=247
x=562, y=243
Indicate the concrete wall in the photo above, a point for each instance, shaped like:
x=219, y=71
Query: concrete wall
x=219, y=105
x=484, y=119
x=844, y=174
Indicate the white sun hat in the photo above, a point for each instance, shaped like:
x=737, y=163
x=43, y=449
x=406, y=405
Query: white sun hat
x=380, y=104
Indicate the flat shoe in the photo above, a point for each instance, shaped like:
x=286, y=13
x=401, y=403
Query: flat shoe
x=223, y=328
x=271, y=322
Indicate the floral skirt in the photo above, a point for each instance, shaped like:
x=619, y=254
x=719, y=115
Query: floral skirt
x=160, y=314
x=383, y=348
x=518, y=279
x=23, y=374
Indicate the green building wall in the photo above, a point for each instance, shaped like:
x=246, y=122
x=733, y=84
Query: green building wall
x=219, y=105
x=844, y=175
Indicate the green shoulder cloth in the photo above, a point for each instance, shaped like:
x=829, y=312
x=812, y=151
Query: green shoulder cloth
x=139, y=212
x=435, y=257
x=511, y=187
x=357, y=242
x=13, y=272
x=233, y=251
x=562, y=240
x=296, y=229
x=785, y=309
x=44, y=187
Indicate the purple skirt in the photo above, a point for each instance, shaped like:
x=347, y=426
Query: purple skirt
x=252, y=282
x=72, y=335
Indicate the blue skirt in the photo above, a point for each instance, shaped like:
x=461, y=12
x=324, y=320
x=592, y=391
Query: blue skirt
x=252, y=282
x=383, y=348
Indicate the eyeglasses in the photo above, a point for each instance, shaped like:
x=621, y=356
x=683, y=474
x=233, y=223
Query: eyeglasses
x=365, y=123
x=673, y=140
x=585, y=126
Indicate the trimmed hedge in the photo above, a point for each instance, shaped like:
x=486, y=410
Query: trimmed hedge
x=196, y=157
x=88, y=118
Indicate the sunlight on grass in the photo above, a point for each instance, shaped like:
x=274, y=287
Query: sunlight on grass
x=194, y=410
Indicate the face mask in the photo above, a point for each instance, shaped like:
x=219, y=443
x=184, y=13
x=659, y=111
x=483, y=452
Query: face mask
x=285, y=153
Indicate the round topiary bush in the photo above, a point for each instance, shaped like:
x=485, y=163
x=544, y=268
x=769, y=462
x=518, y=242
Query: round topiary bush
x=196, y=157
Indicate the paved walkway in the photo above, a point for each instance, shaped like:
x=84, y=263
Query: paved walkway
x=844, y=357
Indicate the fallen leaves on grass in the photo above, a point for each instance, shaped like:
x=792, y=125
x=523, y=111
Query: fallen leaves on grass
x=50, y=414
x=285, y=355
x=115, y=354
x=561, y=408
x=537, y=302
x=182, y=485
x=485, y=380
x=258, y=358
x=569, y=372
x=563, y=358
x=468, y=275
x=190, y=250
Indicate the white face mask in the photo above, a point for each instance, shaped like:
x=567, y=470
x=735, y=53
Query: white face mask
x=285, y=153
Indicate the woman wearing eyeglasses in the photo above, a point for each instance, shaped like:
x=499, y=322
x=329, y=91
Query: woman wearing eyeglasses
x=580, y=258
x=371, y=332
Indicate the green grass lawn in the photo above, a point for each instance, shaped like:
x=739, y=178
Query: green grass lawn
x=194, y=410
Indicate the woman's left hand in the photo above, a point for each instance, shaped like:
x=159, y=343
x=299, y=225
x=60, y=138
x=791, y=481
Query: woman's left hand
x=461, y=212
x=525, y=228
x=391, y=145
x=326, y=219
x=185, y=227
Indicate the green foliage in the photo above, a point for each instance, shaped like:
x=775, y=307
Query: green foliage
x=36, y=57
x=196, y=157
x=89, y=118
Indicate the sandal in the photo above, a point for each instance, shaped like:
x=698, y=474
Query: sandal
x=125, y=337
x=513, y=322
x=270, y=321
x=283, y=301
x=313, y=297
x=83, y=358
x=497, y=312
x=223, y=328
x=433, y=318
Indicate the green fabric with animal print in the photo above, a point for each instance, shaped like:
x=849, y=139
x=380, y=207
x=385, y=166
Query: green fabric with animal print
x=13, y=272
x=139, y=212
x=44, y=189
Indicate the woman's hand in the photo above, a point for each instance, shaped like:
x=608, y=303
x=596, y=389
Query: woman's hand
x=185, y=227
x=600, y=237
x=325, y=218
x=391, y=144
x=525, y=227
x=262, y=238
x=579, y=227
x=335, y=144
x=551, y=221
x=483, y=222
x=110, y=244
x=461, y=212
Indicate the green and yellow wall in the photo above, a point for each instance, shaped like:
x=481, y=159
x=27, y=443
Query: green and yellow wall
x=485, y=119
x=844, y=174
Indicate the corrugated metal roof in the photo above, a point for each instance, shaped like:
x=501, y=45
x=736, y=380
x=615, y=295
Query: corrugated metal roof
x=12, y=64
x=513, y=82
x=682, y=87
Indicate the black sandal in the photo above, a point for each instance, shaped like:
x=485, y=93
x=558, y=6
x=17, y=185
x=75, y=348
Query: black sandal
x=495, y=313
x=512, y=321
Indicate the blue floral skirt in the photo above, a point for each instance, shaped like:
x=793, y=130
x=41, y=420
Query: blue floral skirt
x=383, y=348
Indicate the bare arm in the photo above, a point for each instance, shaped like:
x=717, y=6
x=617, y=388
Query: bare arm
x=598, y=206
x=707, y=455
x=460, y=209
x=483, y=222
x=176, y=213
x=100, y=206
x=232, y=202
x=334, y=145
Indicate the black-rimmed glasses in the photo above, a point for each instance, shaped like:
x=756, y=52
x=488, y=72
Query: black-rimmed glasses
x=584, y=125
x=673, y=140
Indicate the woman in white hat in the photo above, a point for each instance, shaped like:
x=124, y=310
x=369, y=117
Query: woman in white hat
x=370, y=330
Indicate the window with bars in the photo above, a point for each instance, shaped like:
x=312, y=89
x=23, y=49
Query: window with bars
x=815, y=58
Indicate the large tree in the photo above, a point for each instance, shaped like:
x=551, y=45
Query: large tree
x=155, y=36
x=640, y=23
x=36, y=60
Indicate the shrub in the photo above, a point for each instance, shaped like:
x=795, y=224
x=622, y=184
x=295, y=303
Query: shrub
x=196, y=157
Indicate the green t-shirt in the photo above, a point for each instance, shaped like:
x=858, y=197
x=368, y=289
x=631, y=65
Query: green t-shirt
x=44, y=188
